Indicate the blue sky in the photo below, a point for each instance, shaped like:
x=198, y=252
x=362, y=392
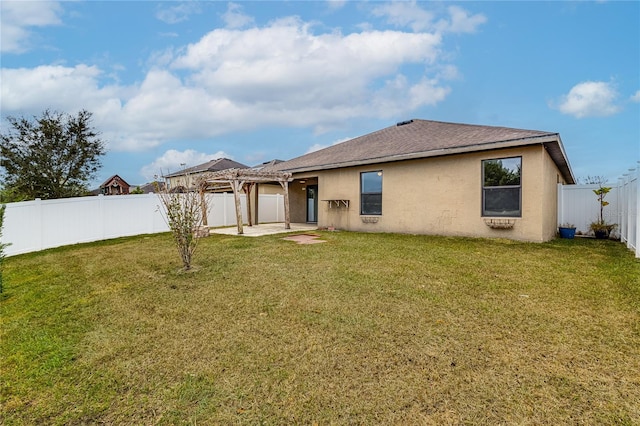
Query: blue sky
x=185, y=82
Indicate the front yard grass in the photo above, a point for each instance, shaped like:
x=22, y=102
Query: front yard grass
x=365, y=329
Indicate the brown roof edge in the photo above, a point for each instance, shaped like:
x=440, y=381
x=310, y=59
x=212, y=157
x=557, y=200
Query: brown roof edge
x=561, y=159
x=558, y=155
x=207, y=167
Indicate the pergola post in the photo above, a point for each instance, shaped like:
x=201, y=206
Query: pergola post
x=287, y=217
x=247, y=187
x=203, y=205
x=236, y=186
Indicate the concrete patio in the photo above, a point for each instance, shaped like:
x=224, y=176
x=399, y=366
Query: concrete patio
x=265, y=229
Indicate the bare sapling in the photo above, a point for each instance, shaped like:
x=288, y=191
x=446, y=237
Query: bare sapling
x=184, y=211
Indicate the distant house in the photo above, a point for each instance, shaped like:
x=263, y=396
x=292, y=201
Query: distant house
x=150, y=187
x=186, y=178
x=115, y=185
x=430, y=177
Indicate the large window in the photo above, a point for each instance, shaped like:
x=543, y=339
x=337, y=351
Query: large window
x=501, y=187
x=371, y=193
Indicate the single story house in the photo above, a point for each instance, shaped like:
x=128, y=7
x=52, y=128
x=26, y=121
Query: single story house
x=431, y=177
x=150, y=187
x=186, y=178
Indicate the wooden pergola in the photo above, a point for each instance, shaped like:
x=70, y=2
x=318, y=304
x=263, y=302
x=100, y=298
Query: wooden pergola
x=245, y=180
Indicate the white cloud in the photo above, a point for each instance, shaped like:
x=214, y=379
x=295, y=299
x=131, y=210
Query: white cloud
x=18, y=17
x=406, y=14
x=410, y=14
x=61, y=87
x=178, y=12
x=427, y=92
x=234, y=18
x=237, y=80
x=298, y=78
x=29, y=91
x=173, y=160
x=462, y=22
x=636, y=97
x=449, y=72
x=590, y=99
x=336, y=4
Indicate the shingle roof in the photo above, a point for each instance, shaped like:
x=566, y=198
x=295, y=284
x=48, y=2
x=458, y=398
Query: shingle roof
x=424, y=138
x=152, y=187
x=210, y=166
x=267, y=164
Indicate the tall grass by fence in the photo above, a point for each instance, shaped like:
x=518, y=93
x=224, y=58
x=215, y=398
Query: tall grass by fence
x=36, y=225
x=578, y=205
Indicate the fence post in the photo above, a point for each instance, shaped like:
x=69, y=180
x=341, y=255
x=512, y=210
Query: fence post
x=631, y=225
x=40, y=215
x=623, y=209
x=101, y=216
x=637, y=215
x=149, y=201
x=629, y=188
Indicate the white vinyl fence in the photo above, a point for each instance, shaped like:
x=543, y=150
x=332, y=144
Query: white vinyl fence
x=578, y=205
x=37, y=225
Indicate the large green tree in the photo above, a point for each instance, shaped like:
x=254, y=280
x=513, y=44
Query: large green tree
x=51, y=156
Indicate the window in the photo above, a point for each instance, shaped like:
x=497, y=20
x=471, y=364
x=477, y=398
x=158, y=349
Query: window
x=371, y=193
x=501, y=187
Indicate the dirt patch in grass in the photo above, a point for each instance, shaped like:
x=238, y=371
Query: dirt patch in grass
x=305, y=239
x=368, y=329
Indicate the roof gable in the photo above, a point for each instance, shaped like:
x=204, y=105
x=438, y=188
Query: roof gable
x=115, y=178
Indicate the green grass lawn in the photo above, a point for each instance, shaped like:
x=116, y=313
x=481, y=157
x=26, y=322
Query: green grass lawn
x=365, y=329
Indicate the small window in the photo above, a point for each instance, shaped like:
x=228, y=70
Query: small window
x=371, y=193
x=501, y=187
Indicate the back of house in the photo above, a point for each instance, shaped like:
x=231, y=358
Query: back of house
x=430, y=177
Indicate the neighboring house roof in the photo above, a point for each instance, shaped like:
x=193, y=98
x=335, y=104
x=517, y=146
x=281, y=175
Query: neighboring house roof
x=424, y=138
x=151, y=187
x=210, y=166
x=267, y=164
x=111, y=179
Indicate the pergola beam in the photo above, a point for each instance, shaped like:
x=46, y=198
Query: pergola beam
x=245, y=179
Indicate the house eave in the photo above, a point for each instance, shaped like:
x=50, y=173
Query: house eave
x=551, y=140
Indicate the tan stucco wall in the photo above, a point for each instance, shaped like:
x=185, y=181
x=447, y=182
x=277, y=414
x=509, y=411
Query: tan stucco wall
x=440, y=195
x=298, y=197
x=552, y=177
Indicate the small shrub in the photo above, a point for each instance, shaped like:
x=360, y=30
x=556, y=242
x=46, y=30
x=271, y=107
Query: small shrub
x=184, y=212
x=601, y=227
